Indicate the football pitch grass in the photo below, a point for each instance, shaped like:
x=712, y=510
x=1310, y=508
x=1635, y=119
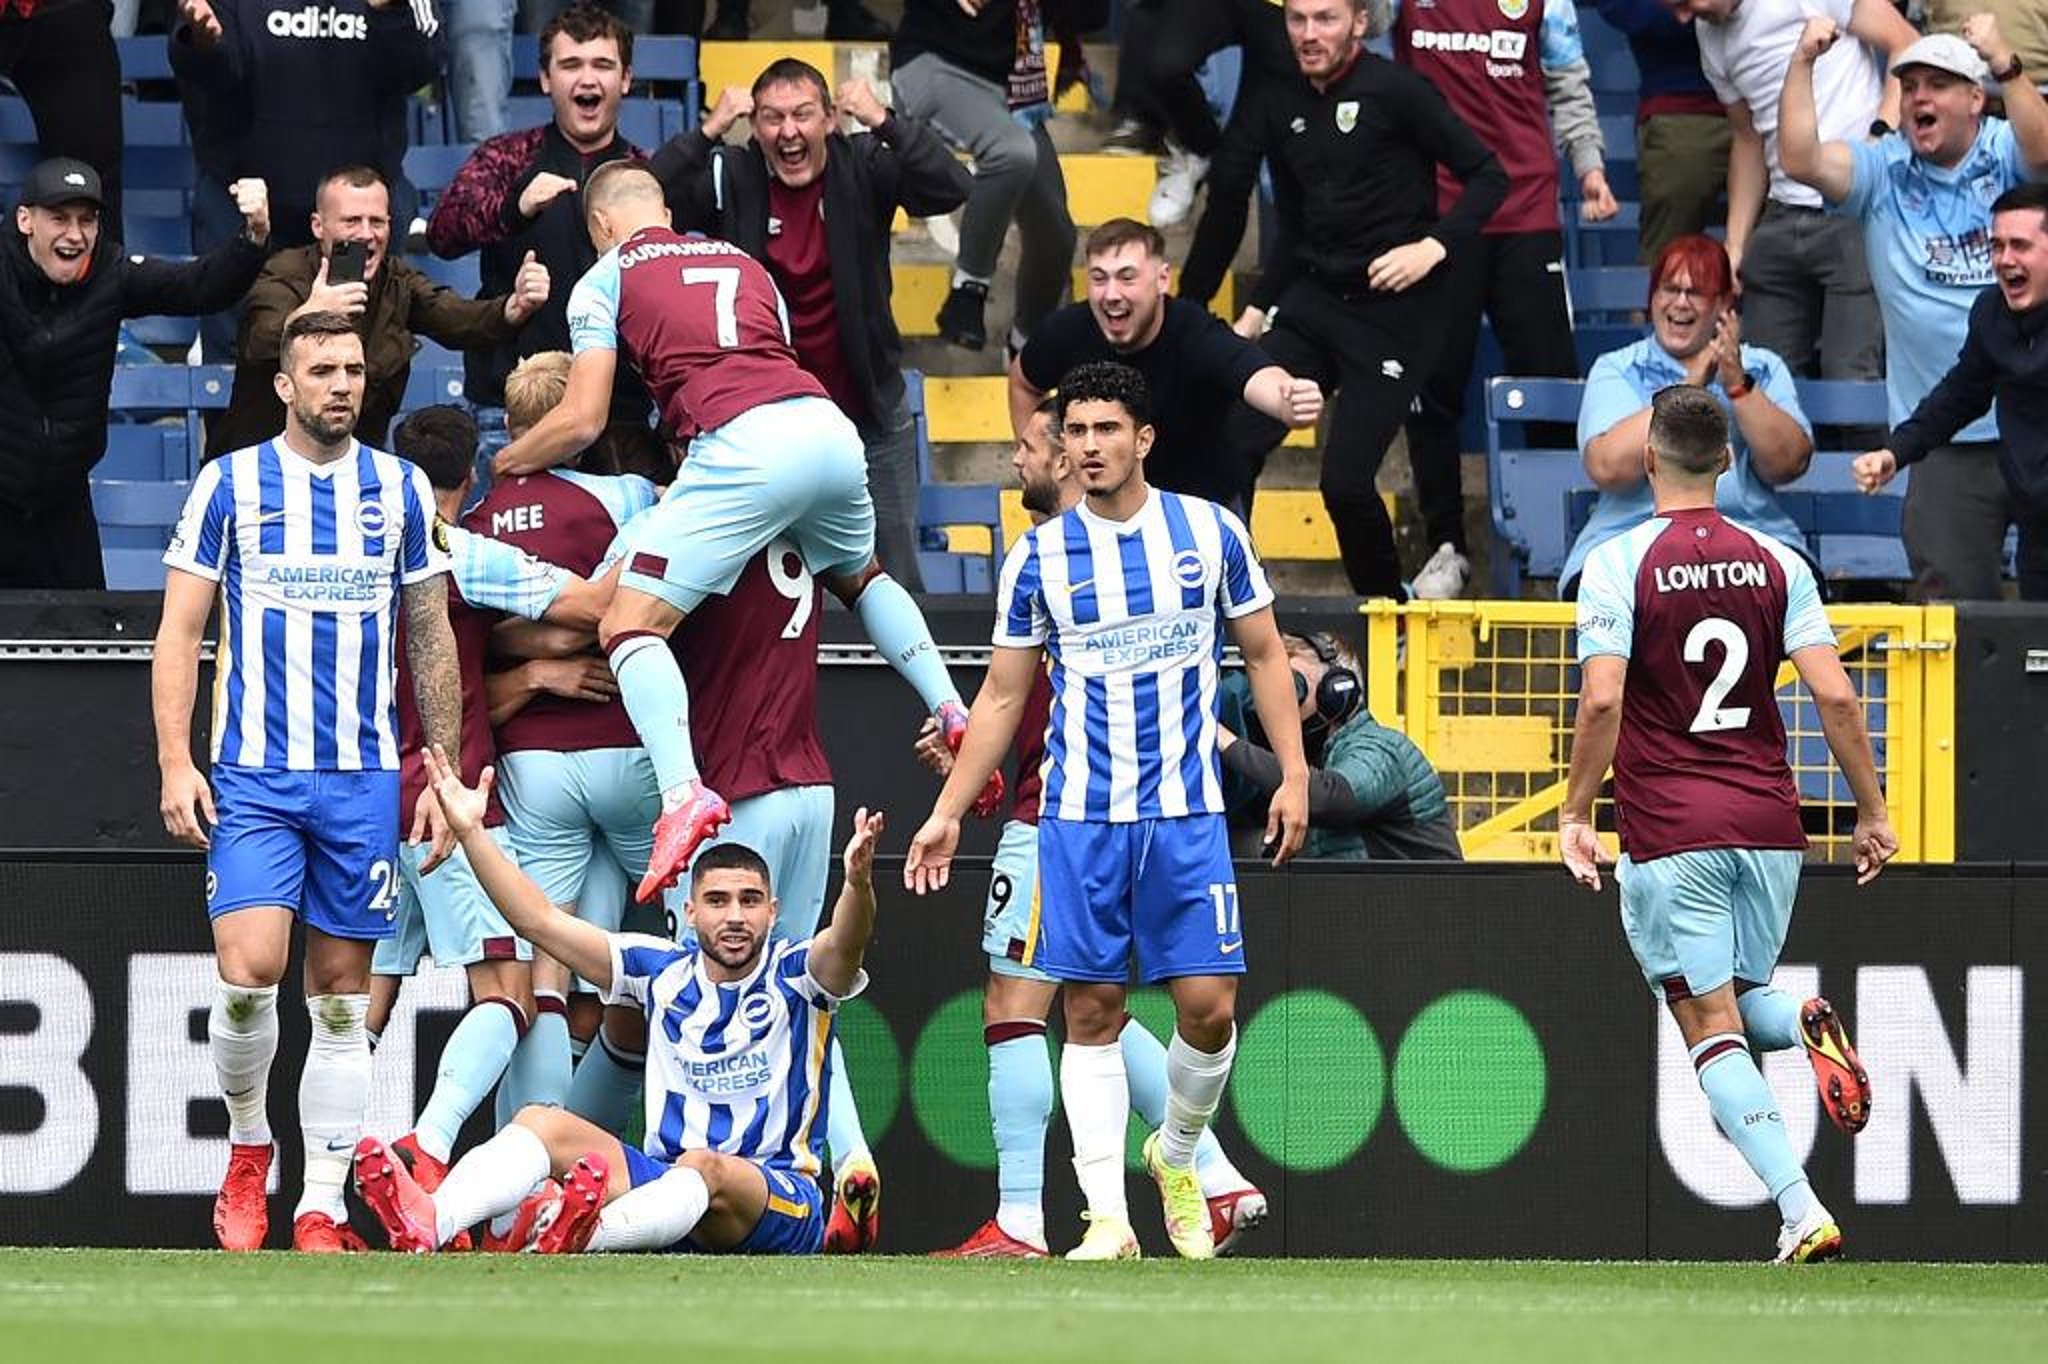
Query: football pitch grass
x=82, y=1307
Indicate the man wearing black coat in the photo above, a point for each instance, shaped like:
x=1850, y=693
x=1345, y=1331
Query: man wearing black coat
x=814, y=206
x=64, y=288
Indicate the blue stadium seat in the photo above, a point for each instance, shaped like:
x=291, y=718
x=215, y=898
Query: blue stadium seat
x=1612, y=292
x=138, y=514
x=1527, y=489
x=463, y=274
x=145, y=58
x=145, y=451
x=1850, y=534
x=951, y=504
x=16, y=124
x=155, y=234
x=153, y=123
x=431, y=168
x=1613, y=242
x=655, y=58
x=431, y=384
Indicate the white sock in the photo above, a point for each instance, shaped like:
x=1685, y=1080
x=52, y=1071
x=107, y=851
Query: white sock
x=489, y=1180
x=1194, y=1087
x=242, y=1037
x=333, y=1091
x=961, y=277
x=654, y=1216
x=1024, y=1221
x=1098, y=1104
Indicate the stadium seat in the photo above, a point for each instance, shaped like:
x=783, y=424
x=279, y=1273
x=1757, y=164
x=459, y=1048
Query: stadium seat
x=146, y=58
x=138, y=514
x=1527, y=488
x=431, y=384
x=944, y=505
x=1612, y=242
x=153, y=123
x=1611, y=293
x=431, y=168
x=1849, y=533
x=138, y=450
x=463, y=274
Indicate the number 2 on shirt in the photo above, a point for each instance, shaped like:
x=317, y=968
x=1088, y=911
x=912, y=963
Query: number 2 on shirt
x=725, y=281
x=1712, y=716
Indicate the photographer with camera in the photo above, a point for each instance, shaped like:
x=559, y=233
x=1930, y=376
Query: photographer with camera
x=349, y=270
x=1372, y=795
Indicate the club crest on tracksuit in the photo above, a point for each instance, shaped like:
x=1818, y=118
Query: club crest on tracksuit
x=1347, y=115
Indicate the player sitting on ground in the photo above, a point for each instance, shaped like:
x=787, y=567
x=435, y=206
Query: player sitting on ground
x=734, y=1124
x=1019, y=995
x=770, y=456
x=1693, y=613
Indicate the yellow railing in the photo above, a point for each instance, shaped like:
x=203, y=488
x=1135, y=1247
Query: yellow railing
x=1487, y=689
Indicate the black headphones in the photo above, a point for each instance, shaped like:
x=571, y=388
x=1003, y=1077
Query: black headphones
x=1339, y=695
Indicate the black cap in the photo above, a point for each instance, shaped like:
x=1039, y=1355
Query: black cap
x=60, y=180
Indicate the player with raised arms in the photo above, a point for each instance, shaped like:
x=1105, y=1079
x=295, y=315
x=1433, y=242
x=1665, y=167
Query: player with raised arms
x=1018, y=997
x=770, y=457
x=1125, y=592
x=1682, y=625
x=736, y=1082
x=312, y=542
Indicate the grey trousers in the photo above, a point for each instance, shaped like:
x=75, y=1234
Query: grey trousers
x=1957, y=511
x=892, y=486
x=1806, y=294
x=1016, y=178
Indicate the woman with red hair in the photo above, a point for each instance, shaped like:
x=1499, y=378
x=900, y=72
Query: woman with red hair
x=1695, y=338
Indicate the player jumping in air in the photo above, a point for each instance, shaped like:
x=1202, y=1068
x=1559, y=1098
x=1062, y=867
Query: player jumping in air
x=1019, y=995
x=770, y=456
x=735, y=1070
x=1682, y=625
x=312, y=542
x=1125, y=592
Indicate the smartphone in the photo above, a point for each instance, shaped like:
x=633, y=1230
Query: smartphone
x=345, y=261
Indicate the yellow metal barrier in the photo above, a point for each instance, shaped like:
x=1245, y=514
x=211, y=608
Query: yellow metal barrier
x=1487, y=689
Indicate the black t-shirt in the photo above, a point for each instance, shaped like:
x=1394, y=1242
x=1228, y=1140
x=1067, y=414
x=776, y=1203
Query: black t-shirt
x=1195, y=369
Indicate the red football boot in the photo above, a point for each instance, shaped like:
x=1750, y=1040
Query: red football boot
x=1844, y=1084
x=856, y=1221
x=1233, y=1214
x=388, y=1188
x=315, y=1233
x=677, y=836
x=575, y=1220
x=991, y=1242
x=526, y=1220
x=241, y=1211
x=953, y=725
x=427, y=1172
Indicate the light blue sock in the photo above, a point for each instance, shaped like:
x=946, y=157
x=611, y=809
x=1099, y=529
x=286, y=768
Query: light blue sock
x=471, y=1063
x=607, y=1085
x=539, y=1072
x=1771, y=1018
x=1145, y=1072
x=897, y=628
x=842, y=1119
x=1019, y=1107
x=1748, y=1115
x=651, y=685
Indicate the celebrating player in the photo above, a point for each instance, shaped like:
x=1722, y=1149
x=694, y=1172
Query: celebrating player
x=313, y=540
x=770, y=456
x=1689, y=615
x=736, y=1070
x=1124, y=591
x=1019, y=995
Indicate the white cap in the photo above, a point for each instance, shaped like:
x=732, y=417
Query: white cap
x=1945, y=52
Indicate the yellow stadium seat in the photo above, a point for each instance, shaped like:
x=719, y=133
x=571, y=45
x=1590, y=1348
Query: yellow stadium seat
x=975, y=408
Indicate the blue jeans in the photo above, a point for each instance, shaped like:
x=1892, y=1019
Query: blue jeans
x=479, y=65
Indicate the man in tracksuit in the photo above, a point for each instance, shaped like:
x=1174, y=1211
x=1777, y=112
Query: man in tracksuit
x=1353, y=298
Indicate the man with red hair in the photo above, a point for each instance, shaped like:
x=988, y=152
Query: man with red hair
x=1695, y=338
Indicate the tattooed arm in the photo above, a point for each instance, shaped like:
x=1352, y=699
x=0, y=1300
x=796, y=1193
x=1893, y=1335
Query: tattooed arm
x=437, y=687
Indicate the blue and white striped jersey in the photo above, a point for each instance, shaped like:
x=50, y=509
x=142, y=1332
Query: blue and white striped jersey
x=1130, y=613
x=309, y=559
x=499, y=577
x=739, y=1068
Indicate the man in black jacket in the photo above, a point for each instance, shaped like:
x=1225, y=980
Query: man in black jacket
x=814, y=206
x=64, y=289
x=2004, y=358
x=1351, y=296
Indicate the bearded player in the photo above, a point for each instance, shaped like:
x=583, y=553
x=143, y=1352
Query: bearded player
x=770, y=456
x=1683, y=622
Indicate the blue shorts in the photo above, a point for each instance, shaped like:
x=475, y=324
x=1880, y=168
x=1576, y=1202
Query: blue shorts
x=323, y=844
x=1697, y=920
x=1009, y=921
x=562, y=806
x=448, y=915
x=792, y=830
x=795, y=469
x=1162, y=886
x=793, y=1223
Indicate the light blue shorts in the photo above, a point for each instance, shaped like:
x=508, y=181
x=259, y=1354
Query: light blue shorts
x=1009, y=920
x=447, y=915
x=794, y=469
x=562, y=806
x=1697, y=920
x=792, y=830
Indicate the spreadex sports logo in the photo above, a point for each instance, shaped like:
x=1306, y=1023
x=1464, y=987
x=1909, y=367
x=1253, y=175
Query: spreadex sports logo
x=318, y=21
x=1502, y=45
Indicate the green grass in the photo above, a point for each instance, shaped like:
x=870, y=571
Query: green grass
x=80, y=1307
